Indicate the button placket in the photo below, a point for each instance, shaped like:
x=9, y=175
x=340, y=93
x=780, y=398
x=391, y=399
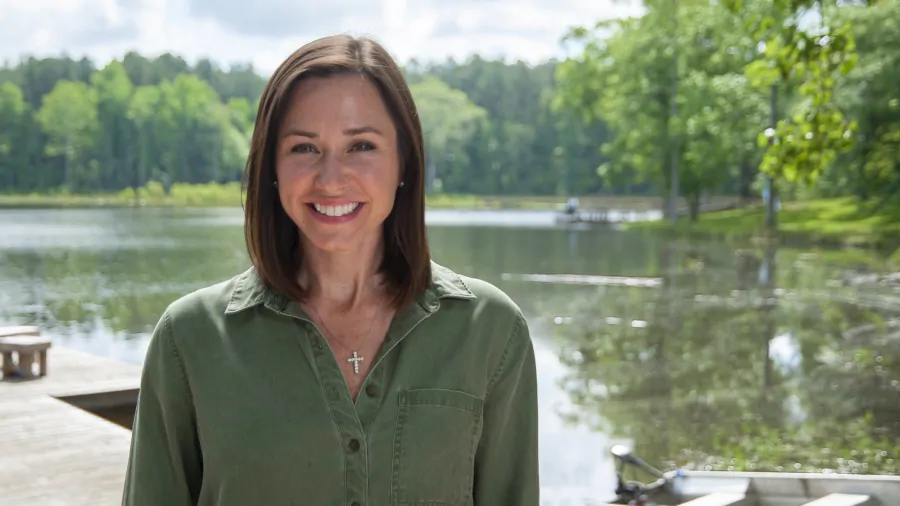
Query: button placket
x=346, y=419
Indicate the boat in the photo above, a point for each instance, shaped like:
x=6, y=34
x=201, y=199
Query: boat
x=726, y=488
x=597, y=216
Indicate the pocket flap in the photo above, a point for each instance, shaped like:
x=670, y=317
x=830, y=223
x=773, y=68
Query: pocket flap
x=440, y=397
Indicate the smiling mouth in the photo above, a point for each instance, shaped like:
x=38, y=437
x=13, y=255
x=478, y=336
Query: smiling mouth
x=336, y=211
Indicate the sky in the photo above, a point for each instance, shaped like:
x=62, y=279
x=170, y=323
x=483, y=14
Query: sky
x=265, y=31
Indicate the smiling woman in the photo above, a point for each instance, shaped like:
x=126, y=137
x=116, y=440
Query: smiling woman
x=344, y=366
x=337, y=162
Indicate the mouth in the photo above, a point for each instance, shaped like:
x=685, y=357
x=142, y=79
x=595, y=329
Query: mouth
x=338, y=211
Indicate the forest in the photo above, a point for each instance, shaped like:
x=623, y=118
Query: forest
x=693, y=97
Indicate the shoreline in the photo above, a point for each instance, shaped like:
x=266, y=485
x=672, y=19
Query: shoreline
x=841, y=222
x=833, y=222
x=229, y=195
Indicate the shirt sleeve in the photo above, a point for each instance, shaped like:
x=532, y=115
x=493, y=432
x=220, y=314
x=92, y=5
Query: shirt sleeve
x=506, y=464
x=164, y=465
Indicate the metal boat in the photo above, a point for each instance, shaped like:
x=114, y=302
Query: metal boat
x=725, y=488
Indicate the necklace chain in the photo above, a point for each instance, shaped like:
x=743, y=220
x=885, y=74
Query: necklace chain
x=355, y=357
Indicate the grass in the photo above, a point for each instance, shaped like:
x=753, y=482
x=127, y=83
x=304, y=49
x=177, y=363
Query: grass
x=843, y=221
x=152, y=195
x=229, y=195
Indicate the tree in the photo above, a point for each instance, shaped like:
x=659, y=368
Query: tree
x=114, y=89
x=720, y=114
x=69, y=118
x=666, y=85
x=14, y=112
x=802, y=49
x=622, y=80
x=449, y=120
x=870, y=95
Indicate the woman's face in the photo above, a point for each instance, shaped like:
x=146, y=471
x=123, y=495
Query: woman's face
x=337, y=163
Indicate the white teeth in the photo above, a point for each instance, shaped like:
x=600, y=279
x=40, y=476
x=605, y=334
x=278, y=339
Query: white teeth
x=336, y=210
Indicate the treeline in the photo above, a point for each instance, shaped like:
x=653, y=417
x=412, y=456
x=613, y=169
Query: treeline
x=699, y=94
x=67, y=125
x=706, y=97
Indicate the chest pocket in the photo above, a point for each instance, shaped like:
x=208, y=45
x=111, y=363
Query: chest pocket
x=434, y=447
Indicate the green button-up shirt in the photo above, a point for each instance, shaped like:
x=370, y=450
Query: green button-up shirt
x=242, y=403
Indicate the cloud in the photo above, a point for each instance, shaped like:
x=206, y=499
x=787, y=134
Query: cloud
x=49, y=25
x=280, y=18
x=265, y=31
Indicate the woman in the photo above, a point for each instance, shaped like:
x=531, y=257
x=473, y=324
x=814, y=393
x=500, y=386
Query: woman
x=345, y=367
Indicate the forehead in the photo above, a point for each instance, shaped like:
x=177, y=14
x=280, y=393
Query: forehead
x=336, y=100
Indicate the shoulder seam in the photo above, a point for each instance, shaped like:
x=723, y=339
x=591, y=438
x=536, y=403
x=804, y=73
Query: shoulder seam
x=167, y=322
x=513, y=334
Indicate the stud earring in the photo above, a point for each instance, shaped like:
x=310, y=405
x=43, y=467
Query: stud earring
x=401, y=184
x=275, y=184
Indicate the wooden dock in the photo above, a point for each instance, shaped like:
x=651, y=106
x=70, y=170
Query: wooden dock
x=53, y=453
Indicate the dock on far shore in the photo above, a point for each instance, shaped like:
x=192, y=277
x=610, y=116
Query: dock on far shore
x=65, y=437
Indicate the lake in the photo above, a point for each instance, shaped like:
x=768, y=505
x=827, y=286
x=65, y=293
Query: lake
x=705, y=353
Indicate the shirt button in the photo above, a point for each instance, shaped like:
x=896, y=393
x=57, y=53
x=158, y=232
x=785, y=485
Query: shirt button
x=372, y=391
x=354, y=445
x=355, y=503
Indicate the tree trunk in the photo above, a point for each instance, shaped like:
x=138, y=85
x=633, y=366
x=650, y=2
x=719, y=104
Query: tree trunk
x=673, y=141
x=745, y=190
x=862, y=186
x=694, y=206
x=771, y=222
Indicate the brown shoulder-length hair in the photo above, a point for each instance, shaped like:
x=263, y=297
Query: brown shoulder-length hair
x=273, y=240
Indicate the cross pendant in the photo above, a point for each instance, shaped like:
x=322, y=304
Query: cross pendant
x=356, y=359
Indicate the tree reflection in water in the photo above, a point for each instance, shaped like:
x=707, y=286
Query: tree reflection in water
x=754, y=369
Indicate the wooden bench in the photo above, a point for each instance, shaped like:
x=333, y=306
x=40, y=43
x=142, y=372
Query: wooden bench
x=24, y=342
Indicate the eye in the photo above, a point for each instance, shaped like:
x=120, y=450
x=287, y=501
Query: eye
x=363, y=146
x=303, y=148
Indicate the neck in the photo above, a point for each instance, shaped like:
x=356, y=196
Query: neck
x=342, y=281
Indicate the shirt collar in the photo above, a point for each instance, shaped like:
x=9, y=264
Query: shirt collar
x=249, y=291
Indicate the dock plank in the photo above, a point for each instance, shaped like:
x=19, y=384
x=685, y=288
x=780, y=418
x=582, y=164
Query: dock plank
x=53, y=453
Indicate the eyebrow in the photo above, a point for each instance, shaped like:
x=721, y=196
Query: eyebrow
x=349, y=131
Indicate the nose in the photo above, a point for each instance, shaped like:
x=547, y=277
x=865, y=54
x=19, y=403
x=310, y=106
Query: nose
x=332, y=177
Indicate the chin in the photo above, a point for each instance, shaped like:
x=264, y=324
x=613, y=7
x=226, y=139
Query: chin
x=334, y=245
x=331, y=247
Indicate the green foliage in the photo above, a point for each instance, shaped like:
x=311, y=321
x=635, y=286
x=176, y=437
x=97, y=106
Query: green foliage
x=808, y=58
x=449, y=121
x=685, y=84
x=489, y=126
x=668, y=86
x=691, y=82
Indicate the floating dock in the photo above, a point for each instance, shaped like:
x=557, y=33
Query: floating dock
x=65, y=437
x=594, y=217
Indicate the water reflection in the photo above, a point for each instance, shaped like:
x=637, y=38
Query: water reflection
x=699, y=353
x=751, y=369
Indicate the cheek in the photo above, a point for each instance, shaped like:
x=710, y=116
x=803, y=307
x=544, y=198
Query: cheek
x=290, y=171
x=381, y=177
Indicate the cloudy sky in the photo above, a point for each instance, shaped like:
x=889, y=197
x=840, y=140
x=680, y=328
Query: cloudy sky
x=265, y=31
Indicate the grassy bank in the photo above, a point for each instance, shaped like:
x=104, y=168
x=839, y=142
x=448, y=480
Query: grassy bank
x=835, y=221
x=229, y=195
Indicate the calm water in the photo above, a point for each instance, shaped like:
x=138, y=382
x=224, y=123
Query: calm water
x=699, y=353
